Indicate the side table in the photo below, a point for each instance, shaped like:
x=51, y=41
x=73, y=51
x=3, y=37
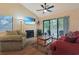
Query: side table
x=44, y=41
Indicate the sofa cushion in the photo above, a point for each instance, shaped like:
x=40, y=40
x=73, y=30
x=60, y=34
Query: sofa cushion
x=71, y=40
x=11, y=37
x=71, y=37
x=11, y=33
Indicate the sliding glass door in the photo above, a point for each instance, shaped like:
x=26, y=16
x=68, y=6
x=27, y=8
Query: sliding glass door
x=56, y=27
x=46, y=29
x=53, y=28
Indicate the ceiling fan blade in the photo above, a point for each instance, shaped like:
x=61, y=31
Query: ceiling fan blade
x=42, y=6
x=50, y=7
x=49, y=10
x=47, y=6
x=44, y=3
x=40, y=10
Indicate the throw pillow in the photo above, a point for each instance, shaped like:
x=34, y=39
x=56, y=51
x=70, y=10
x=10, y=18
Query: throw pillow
x=71, y=40
x=77, y=41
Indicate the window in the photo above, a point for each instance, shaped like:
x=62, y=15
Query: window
x=6, y=23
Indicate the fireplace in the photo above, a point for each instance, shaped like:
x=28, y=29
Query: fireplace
x=29, y=33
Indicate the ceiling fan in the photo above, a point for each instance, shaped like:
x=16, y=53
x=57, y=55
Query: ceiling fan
x=46, y=8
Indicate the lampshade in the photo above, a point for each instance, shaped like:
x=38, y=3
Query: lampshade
x=20, y=17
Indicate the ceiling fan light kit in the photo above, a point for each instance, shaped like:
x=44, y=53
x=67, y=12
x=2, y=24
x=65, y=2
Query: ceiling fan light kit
x=45, y=10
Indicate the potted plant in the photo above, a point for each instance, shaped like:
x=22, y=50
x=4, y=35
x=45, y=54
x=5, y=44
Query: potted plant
x=39, y=32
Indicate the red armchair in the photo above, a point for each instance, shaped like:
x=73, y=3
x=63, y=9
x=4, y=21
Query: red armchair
x=63, y=47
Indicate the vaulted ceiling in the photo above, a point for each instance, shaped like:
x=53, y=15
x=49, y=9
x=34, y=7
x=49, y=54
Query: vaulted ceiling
x=58, y=7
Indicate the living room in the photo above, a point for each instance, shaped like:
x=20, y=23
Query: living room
x=21, y=36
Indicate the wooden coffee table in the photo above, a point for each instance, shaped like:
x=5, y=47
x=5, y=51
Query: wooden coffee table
x=44, y=41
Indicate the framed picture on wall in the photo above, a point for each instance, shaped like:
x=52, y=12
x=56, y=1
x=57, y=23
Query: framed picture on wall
x=6, y=23
x=29, y=20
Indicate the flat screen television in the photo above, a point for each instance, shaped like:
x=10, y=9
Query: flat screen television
x=29, y=20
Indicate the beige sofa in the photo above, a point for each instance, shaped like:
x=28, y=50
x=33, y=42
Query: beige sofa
x=12, y=41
